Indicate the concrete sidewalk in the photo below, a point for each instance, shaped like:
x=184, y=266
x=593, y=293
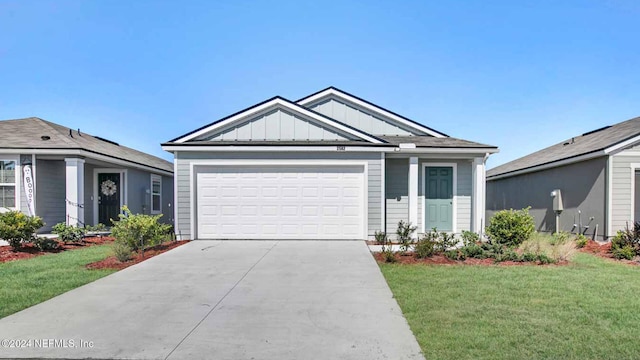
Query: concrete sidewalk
x=225, y=300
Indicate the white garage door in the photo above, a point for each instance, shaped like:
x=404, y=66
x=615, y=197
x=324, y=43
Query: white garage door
x=280, y=202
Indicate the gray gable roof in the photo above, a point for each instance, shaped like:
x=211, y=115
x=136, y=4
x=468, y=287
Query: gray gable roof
x=27, y=134
x=586, y=143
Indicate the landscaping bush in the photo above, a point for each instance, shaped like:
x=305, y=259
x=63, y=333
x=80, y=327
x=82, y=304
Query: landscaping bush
x=424, y=248
x=380, y=237
x=474, y=251
x=469, y=237
x=625, y=252
x=511, y=227
x=17, y=228
x=454, y=255
x=404, y=232
x=95, y=228
x=581, y=241
x=627, y=238
x=122, y=251
x=68, y=233
x=45, y=244
x=139, y=231
x=551, y=246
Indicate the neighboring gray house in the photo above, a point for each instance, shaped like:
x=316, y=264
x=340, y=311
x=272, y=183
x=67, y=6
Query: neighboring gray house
x=65, y=175
x=328, y=166
x=598, y=174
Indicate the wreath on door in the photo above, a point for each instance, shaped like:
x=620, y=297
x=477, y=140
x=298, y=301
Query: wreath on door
x=108, y=187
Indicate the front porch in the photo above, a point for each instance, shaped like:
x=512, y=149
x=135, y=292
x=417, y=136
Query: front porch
x=434, y=192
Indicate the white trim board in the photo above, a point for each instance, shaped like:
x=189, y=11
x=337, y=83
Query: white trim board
x=454, y=208
x=123, y=189
x=279, y=103
x=471, y=152
x=634, y=167
x=609, y=215
x=333, y=92
x=269, y=162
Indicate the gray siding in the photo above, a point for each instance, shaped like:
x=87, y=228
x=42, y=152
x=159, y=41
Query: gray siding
x=397, y=192
x=50, y=192
x=583, y=187
x=360, y=118
x=167, y=200
x=276, y=125
x=623, y=178
x=88, y=194
x=183, y=200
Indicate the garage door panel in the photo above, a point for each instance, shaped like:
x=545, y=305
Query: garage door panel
x=280, y=201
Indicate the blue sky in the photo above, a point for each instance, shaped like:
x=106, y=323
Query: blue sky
x=521, y=75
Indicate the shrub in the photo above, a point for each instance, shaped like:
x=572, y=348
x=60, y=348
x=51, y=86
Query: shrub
x=121, y=250
x=454, y=255
x=95, y=228
x=528, y=257
x=68, y=233
x=424, y=248
x=380, y=237
x=560, y=238
x=469, y=238
x=625, y=252
x=544, y=259
x=511, y=227
x=139, y=231
x=507, y=255
x=17, y=228
x=44, y=244
x=581, y=241
x=627, y=238
x=474, y=251
x=404, y=232
x=552, y=247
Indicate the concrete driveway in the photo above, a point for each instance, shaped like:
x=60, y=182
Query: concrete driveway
x=225, y=300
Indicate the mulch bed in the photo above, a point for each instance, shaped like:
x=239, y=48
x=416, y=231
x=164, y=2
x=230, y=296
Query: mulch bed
x=112, y=263
x=604, y=251
x=28, y=250
x=443, y=260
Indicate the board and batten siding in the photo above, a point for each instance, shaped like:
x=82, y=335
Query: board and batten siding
x=359, y=118
x=184, y=181
x=274, y=125
x=623, y=194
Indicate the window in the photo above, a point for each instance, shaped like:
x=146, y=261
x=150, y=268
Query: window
x=8, y=183
x=156, y=194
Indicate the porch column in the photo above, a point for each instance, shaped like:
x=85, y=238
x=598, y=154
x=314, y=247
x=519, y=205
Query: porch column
x=75, y=191
x=479, y=199
x=413, y=192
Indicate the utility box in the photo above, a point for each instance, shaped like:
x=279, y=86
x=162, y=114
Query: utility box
x=557, y=200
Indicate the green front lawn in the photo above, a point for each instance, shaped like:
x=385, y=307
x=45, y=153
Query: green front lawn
x=587, y=310
x=24, y=283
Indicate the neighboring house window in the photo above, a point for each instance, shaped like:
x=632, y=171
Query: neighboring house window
x=156, y=194
x=8, y=182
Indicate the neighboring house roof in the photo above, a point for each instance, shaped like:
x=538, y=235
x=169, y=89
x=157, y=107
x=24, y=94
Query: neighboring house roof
x=430, y=141
x=28, y=133
x=598, y=142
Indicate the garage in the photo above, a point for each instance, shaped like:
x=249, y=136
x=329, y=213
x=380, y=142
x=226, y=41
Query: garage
x=280, y=202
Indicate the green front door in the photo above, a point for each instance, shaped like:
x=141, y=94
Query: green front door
x=439, y=198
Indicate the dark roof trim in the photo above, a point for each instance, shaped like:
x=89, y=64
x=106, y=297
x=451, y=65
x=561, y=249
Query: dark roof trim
x=372, y=104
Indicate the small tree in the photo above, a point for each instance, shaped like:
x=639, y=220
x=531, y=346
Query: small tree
x=404, y=232
x=511, y=227
x=17, y=228
x=139, y=231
